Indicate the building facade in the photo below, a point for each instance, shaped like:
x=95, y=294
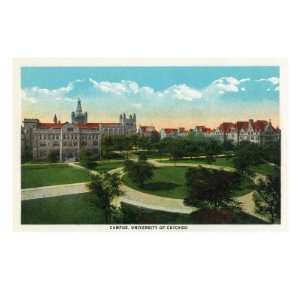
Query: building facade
x=68, y=139
x=146, y=130
x=259, y=132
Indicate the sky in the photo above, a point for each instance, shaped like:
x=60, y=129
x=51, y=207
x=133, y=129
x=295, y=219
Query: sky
x=160, y=96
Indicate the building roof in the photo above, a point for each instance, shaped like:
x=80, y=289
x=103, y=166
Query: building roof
x=260, y=125
x=202, y=128
x=50, y=125
x=181, y=130
x=145, y=129
x=169, y=130
x=226, y=126
x=110, y=124
x=242, y=125
x=88, y=126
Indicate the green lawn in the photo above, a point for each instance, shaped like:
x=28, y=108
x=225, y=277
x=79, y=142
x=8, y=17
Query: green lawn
x=220, y=161
x=170, y=182
x=167, y=181
x=265, y=169
x=81, y=209
x=44, y=175
x=105, y=166
x=72, y=209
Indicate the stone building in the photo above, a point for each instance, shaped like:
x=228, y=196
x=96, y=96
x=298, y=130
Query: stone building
x=68, y=139
x=146, y=130
x=259, y=132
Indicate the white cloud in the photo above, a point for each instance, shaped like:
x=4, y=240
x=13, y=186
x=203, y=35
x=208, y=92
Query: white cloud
x=120, y=88
x=273, y=80
x=127, y=87
x=243, y=89
x=181, y=92
x=225, y=85
x=36, y=94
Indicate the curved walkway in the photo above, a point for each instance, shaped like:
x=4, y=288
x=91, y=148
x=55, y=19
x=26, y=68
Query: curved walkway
x=140, y=199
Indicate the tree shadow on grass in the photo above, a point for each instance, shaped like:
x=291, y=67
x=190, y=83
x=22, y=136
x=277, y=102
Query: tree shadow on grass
x=160, y=186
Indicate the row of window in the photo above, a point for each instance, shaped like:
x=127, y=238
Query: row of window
x=68, y=137
x=70, y=144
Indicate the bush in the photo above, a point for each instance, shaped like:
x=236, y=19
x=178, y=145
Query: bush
x=88, y=159
x=139, y=171
x=209, y=188
x=53, y=156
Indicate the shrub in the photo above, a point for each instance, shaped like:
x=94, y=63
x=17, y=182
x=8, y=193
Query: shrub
x=53, y=156
x=139, y=171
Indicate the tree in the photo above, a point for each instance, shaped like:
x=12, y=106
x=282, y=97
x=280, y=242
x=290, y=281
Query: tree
x=272, y=152
x=176, y=149
x=53, y=156
x=106, y=187
x=142, y=156
x=228, y=145
x=139, y=171
x=208, y=188
x=247, y=155
x=267, y=197
x=154, y=138
x=88, y=159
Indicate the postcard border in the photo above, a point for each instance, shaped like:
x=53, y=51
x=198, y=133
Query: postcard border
x=125, y=62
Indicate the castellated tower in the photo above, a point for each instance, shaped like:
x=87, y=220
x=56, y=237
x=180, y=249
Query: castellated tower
x=78, y=117
x=128, y=123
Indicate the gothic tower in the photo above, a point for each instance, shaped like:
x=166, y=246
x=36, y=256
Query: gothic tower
x=78, y=117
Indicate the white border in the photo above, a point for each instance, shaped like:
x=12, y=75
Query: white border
x=125, y=62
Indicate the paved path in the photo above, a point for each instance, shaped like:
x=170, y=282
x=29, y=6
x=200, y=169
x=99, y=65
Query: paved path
x=157, y=163
x=137, y=198
x=54, y=191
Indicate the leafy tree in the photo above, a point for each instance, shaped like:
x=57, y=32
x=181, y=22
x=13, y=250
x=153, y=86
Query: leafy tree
x=106, y=187
x=88, y=159
x=247, y=155
x=142, y=156
x=267, y=198
x=228, y=145
x=107, y=147
x=209, y=188
x=272, y=152
x=139, y=171
x=154, y=138
x=53, y=156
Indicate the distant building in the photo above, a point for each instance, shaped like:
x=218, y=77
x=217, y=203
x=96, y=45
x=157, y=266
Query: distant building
x=202, y=130
x=168, y=132
x=173, y=132
x=146, y=130
x=68, y=139
x=259, y=132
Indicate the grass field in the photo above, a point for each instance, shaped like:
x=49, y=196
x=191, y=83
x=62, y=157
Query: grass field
x=220, y=161
x=264, y=169
x=44, y=175
x=105, y=166
x=81, y=209
x=167, y=181
x=72, y=209
x=170, y=182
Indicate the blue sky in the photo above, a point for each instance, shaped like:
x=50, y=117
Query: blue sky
x=161, y=96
